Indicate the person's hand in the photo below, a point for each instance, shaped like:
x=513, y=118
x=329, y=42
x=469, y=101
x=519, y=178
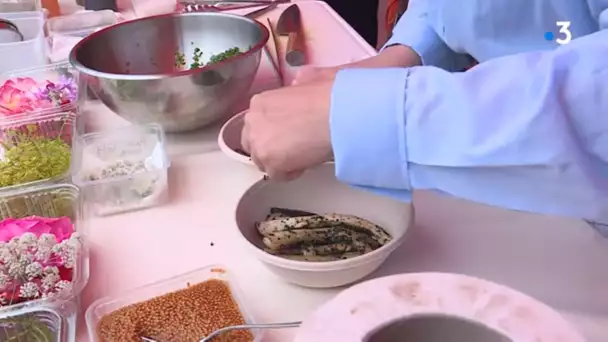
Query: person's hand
x=286, y=131
x=394, y=56
x=311, y=74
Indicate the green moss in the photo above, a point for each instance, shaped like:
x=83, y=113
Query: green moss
x=30, y=157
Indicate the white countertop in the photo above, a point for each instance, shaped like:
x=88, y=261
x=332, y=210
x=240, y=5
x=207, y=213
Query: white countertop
x=559, y=261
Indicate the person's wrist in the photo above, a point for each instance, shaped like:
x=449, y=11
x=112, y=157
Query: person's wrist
x=400, y=56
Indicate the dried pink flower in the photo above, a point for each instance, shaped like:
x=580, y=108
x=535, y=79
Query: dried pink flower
x=22, y=83
x=39, y=262
x=62, y=228
x=24, y=94
x=19, y=96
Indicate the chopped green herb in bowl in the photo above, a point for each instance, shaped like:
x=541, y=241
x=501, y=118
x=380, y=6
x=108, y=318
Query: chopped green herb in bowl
x=180, y=58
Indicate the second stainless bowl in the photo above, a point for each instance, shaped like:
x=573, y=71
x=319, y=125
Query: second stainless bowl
x=131, y=67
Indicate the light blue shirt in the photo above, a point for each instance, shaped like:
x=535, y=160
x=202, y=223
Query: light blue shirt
x=527, y=129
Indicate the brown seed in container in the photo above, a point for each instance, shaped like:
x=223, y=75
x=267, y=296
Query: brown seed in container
x=183, y=316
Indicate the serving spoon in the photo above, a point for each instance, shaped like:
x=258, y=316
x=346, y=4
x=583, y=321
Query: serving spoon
x=218, y=332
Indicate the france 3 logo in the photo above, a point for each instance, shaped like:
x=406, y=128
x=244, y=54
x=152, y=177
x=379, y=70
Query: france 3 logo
x=564, y=35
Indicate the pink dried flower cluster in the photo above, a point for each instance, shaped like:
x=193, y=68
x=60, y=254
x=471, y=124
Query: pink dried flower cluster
x=24, y=94
x=60, y=227
x=39, y=262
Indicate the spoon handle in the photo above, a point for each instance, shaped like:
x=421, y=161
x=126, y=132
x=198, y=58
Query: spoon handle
x=215, y=2
x=251, y=326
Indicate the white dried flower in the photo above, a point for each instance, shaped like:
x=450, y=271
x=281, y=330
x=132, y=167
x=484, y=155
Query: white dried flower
x=64, y=286
x=69, y=258
x=4, y=280
x=16, y=246
x=16, y=270
x=14, y=242
x=48, y=240
x=33, y=270
x=26, y=258
x=46, y=295
x=29, y=290
x=58, y=249
x=6, y=255
x=49, y=281
x=28, y=239
x=43, y=253
x=66, y=251
x=3, y=300
x=51, y=270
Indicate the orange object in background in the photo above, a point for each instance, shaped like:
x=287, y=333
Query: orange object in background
x=394, y=10
x=52, y=6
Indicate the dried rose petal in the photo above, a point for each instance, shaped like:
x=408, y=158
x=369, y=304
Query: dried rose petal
x=13, y=100
x=23, y=83
x=61, y=227
x=24, y=94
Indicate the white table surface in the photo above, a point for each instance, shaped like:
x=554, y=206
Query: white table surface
x=559, y=261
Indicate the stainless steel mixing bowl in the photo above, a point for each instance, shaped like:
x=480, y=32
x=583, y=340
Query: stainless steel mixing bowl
x=131, y=67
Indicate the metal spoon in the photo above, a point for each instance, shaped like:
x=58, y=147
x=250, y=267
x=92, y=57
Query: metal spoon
x=218, y=332
x=237, y=1
x=217, y=8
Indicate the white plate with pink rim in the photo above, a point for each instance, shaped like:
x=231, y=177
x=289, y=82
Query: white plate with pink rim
x=434, y=307
x=229, y=139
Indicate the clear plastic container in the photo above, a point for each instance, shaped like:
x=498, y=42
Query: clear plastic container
x=147, y=8
x=19, y=5
x=35, y=151
x=33, y=324
x=104, y=306
x=66, y=95
x=32, y=51
x=81, y=24
x=122, y=170
x=48, y=201
x=51, y=318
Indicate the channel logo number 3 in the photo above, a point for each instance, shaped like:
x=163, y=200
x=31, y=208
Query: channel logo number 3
x=564, y=29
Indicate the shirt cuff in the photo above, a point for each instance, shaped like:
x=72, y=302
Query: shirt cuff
x=367, y=125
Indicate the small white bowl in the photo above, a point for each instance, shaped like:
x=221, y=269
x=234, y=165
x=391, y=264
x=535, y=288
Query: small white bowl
x=319, y=191
x=229, y=139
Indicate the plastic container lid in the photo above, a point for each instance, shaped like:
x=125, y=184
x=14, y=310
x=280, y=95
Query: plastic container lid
x=30, y=52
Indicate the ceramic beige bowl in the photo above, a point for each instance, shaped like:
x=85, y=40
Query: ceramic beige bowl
x=319, y=191
x=229, y=139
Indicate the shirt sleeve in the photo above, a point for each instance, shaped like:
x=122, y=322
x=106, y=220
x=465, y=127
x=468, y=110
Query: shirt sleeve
x=525, y=132
x=414, y=30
